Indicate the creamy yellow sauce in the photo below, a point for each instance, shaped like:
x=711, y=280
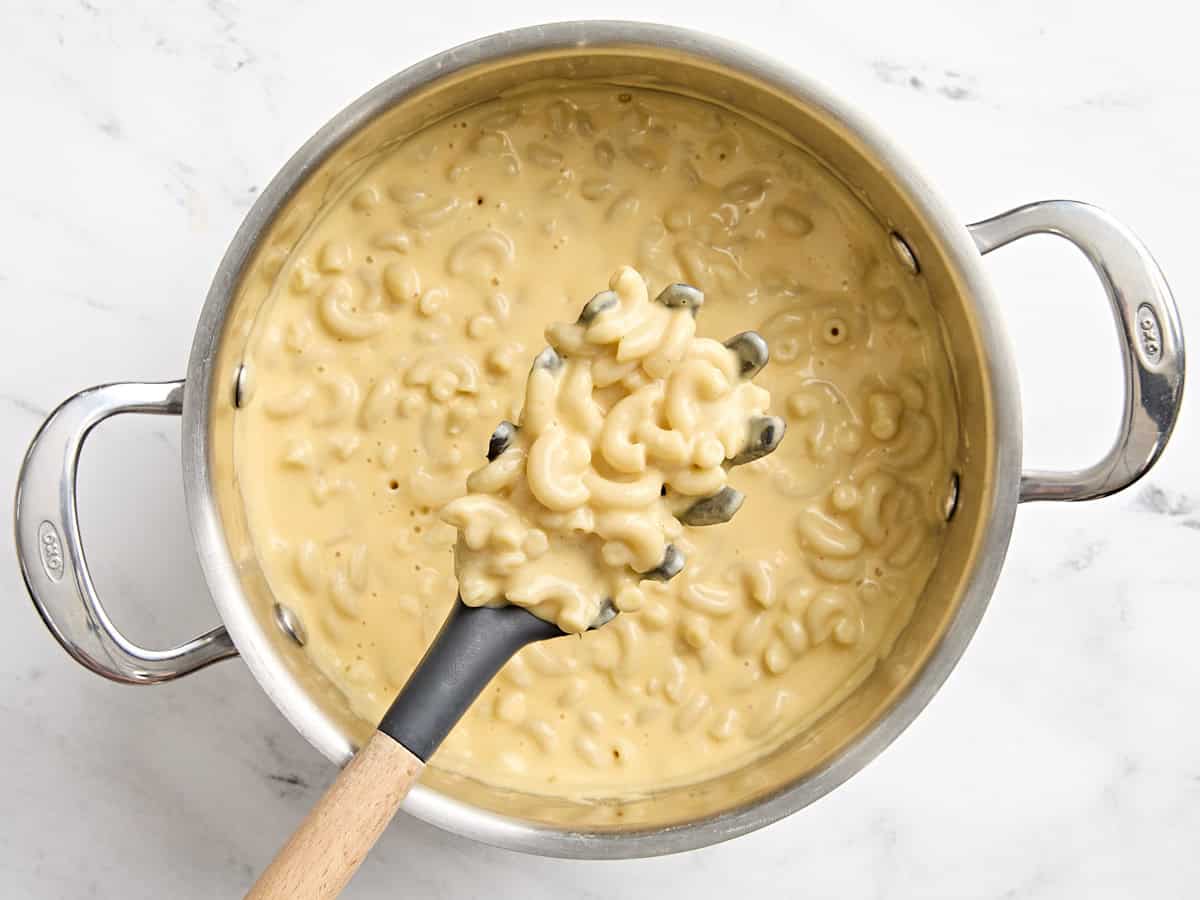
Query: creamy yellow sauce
x=629, y=419
x=400, y=332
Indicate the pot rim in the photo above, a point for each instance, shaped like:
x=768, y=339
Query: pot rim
x=458, y=817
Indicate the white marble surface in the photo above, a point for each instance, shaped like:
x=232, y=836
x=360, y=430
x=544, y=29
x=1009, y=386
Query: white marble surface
x=1061, y=760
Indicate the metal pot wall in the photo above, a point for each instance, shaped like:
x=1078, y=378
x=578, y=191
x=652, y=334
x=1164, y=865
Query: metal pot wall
x=943, y=251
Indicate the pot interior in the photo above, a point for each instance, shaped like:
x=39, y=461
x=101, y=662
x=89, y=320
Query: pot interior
x=810, y=763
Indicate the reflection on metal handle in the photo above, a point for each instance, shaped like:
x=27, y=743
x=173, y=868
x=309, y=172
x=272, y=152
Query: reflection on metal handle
x=51, y=552
x=1151, y=341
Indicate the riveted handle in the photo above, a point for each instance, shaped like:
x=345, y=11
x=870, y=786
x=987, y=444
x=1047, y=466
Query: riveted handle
x=50, y=549
x=1151, y=341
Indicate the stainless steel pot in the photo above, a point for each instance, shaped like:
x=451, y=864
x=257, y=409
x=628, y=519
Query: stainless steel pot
x=945, y=253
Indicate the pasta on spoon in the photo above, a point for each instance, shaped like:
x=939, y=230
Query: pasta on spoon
x=629, y=426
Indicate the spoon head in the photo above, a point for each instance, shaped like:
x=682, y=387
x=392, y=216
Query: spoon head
x=608, y=612
x=752, y=352
x=765, y=433
x=676, y=296
x=715, y=510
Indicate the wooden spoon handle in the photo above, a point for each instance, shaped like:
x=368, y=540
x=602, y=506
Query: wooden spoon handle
x=326, y=850
x=329, y=846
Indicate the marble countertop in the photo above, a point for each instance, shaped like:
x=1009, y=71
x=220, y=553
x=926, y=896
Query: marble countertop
x=1062, y=758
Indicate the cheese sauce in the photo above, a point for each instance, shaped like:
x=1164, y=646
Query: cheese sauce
x=400, y=332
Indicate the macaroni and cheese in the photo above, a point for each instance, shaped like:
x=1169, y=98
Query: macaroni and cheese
x=400, y=331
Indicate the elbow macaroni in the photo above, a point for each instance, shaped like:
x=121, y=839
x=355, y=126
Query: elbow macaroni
x=543, y=527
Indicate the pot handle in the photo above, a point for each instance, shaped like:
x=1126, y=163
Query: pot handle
x=50, y=549
x=1151, y=341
